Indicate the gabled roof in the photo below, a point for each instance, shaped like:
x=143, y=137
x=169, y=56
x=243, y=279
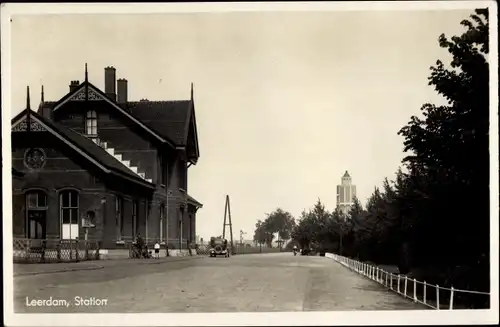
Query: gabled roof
x=346, y=174
x=170, y=119
x=167, y=118
x=84, y=146
x=99, y=95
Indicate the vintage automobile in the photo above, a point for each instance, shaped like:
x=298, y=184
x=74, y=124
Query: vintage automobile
x=218, y=246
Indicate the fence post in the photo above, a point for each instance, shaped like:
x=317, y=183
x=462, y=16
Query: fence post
x=97, y=254
x=437, y=297
x=86, y=250
x=77, y=248
x=399, y=278
x=58, y=249
x=451, y=298
x=390, y=274
x=406, y=283
x=44, y=246
x=376, y=274
x=415, y=289
x=425, y=292
x=386, y=276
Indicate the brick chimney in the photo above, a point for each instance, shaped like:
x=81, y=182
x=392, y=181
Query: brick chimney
x=122, y=90
x=73, y=85
x=110, y=82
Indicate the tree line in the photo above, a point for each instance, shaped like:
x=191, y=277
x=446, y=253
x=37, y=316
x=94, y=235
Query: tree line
x=433, y=219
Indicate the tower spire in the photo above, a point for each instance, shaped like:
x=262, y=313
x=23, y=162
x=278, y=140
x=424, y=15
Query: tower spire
x=28, y=109
x=28, y=98
x=86, y=73
x=86, y=84
x=42, y=97
x=192, y=92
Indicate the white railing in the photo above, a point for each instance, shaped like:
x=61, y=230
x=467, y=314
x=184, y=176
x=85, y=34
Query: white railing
x=405, y=286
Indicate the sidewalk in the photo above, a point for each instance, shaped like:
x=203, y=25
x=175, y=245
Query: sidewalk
x=50, y=268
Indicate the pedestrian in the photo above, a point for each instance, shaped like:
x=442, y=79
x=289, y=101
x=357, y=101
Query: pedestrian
x=140, y=245
x=157, y=249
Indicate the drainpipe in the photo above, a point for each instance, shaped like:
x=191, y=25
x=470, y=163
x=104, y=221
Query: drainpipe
x=180, y=227
x=147, y=211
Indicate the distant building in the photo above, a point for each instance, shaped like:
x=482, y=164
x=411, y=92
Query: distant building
x=345, y=193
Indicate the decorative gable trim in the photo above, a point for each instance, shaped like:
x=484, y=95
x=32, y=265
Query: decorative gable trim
x=100, y=96
x=80, y=96
x=53, y=132
x=22, y=125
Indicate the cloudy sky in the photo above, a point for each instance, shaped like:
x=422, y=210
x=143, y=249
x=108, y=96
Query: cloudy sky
x=286, y=102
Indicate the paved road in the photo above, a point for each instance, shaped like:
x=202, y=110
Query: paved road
x=254, y=282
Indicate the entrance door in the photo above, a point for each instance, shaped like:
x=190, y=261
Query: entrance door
x=37, y=224
x=36, y=214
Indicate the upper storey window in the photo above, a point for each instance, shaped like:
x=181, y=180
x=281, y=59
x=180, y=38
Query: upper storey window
x=91, y=123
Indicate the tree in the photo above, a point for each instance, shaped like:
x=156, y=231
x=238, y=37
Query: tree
x=435, y=213
x=449, y=157
x=260, y=236
x=281, y=222
x=303, y=233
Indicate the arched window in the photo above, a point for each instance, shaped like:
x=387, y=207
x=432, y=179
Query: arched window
x=36, y=214
x=68, y=204
x=36, y=200
x=91, y=123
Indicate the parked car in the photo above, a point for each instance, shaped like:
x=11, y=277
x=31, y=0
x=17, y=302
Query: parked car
x=218, y=246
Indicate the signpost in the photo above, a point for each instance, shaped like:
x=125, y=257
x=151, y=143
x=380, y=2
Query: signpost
x=86, y=224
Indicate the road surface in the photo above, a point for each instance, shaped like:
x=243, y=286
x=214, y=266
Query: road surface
x=244, y=283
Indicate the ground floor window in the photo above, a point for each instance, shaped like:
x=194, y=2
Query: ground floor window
x=36, y=214
x=68, y=203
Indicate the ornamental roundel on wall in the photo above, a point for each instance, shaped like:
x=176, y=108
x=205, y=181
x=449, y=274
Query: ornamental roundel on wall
x=34, y=158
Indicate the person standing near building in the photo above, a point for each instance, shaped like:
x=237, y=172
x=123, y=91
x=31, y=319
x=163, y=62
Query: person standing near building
x=157, y=250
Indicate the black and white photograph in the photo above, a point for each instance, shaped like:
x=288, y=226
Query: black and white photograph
x=272, y=163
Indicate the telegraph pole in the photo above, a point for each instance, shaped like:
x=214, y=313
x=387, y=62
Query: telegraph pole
x=227, y=214
x=241, y=236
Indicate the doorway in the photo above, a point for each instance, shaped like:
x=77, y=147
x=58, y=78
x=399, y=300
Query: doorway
x=37, y=223
x=36, y=214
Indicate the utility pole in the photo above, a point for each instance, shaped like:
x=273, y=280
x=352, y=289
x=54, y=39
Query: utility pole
x=241, y=236
x=227, y=214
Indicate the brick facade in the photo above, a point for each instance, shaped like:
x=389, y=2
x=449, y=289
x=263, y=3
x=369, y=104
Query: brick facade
x=67, y=167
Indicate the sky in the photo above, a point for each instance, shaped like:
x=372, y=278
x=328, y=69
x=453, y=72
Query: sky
x=286, y=102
